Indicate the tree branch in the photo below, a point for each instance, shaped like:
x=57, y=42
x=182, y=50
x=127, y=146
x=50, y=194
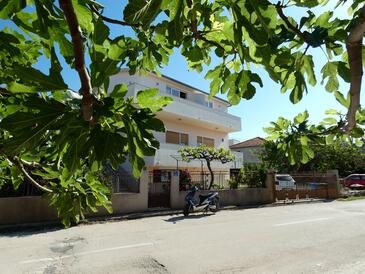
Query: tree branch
x=110, y=20
x=17, y=162
x=88, y=98
x=199, y=34
x=4, y=91
x=30, y=179
x=279, y=9
x=354, y=50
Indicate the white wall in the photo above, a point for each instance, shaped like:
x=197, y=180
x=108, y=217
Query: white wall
x=248, y=154
x=164, y=156
x=220, y=138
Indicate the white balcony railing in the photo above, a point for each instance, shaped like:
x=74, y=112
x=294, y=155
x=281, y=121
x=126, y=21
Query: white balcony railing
x=204, y=116
x=168, y=156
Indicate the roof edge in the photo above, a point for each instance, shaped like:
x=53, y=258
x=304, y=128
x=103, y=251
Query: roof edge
x=184, y=84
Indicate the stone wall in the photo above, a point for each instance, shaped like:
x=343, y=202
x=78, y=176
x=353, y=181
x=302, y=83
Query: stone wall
x=245, y=196
x=31, y=209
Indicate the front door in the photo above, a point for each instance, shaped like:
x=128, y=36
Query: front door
x=159, y=188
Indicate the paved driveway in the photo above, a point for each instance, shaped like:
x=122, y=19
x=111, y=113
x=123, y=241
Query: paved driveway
x=308, y=238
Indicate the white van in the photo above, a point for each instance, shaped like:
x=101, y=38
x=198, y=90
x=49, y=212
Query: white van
x=284, y=181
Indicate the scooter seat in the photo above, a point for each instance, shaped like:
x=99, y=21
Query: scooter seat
x=204, y=196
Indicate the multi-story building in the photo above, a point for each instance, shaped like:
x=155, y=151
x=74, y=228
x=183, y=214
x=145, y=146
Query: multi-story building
x=191, y=119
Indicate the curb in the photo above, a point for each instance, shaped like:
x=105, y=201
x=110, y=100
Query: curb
x=55, y=225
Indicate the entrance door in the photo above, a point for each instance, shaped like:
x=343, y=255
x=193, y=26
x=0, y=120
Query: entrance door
x=159, y=188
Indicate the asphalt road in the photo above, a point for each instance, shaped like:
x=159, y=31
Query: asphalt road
x=308, y=238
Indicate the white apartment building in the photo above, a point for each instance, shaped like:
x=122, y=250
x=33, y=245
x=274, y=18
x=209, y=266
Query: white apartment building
x=191, y=119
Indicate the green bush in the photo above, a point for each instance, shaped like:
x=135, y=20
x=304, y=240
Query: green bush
x=253, y=175
x=233, y=183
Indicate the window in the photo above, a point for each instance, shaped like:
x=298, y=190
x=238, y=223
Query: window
x=284, y=178
x=208, y=104
x=199, y=140
x=177, y=138
x=205, y=141
x=175, y=92
x=184, y=139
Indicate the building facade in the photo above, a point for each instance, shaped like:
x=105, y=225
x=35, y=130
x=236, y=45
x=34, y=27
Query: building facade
x=190, y=120
x=247, y=152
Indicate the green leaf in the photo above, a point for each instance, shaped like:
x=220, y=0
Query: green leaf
x=141, y=11
x=332, y=112
x=359, y=143
x=21, y=88
x=330, y=139
x=228, y=31
x=39, y=80
x=49, y=174
x=101, y=32
x=300, y=85
x=115, y=52
x=341, y=99
x=332, y=85
x=72, y=157
x=344, y=71
x=308, y=68
x=301, y=117
x=119, y=91
x=284, y=59
x=329, y=121
x=9, y=7
x=173, y=6
x=27, y=129
x=16, y=177
x=304, y=140
x=84, y=15
x=108, y=146
x=148, y=99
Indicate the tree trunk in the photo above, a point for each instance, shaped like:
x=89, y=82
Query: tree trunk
x=211, y=175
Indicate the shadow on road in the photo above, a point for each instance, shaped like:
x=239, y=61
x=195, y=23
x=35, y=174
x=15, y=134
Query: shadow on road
x=28, y=231
x=190, y=217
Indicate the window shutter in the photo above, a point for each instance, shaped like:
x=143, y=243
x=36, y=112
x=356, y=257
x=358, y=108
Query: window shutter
x=172, y=137
x=184, y=139
x=208, y=142
x=199, y=140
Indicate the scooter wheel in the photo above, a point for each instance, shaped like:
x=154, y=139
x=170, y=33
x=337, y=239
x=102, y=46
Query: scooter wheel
x=186, y=210
x=216, y=206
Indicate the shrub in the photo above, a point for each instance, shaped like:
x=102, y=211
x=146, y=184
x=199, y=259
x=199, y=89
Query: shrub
x=253, y=175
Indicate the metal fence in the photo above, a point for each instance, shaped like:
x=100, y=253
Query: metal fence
x=201, y=179
x=25, y=189
x=124, y=182
x=121, y=180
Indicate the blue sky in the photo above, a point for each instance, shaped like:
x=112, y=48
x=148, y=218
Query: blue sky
x=268, y=103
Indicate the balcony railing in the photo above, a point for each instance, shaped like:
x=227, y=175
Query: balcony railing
x=187, y=101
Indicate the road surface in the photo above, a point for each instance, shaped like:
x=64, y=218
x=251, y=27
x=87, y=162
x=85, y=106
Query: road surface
x=307, y=238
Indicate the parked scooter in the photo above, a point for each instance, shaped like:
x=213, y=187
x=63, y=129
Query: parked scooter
x=207, y=202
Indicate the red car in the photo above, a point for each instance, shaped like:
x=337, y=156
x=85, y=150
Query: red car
x=355, y=180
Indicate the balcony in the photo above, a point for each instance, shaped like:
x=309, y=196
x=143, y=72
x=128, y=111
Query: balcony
x=199, y=115
x=194, y=113
x=168, y=157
